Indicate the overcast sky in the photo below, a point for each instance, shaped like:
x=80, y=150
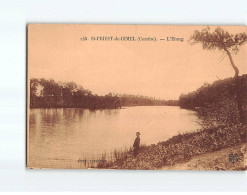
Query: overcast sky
x=158, y=69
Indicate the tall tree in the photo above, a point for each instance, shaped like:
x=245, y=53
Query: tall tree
x=228, y=43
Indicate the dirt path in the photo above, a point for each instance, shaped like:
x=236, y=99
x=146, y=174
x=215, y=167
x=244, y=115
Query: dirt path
x=218, y=160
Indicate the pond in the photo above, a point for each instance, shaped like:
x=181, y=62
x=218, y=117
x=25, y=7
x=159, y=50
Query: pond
x=60, y=137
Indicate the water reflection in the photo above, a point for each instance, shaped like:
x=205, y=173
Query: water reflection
x=73, y=133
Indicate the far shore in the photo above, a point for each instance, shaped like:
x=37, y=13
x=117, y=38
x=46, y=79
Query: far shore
x=99, y=108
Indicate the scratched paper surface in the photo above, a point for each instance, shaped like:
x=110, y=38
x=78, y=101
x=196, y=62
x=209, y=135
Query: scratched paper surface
x=136, y=97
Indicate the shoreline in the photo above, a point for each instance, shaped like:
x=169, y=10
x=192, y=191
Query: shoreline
x=179, y=149
x=122, y=107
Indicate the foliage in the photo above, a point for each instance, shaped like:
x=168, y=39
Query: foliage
x=228, y=43
x=49, y=94
x=218, y=39
x=216, y=103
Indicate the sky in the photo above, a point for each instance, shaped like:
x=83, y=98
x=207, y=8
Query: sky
x=160, y=69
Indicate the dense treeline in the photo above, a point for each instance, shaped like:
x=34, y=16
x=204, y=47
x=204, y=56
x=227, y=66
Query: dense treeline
x=134, y=100
x=217, y=102
x=50, y=94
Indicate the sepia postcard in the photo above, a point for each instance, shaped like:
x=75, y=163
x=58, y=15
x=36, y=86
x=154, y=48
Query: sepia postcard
x=139, y=97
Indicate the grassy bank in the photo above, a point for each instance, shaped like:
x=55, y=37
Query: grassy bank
x=179, y=149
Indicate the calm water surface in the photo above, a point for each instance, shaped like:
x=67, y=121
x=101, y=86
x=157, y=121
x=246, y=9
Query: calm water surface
x=69, y=134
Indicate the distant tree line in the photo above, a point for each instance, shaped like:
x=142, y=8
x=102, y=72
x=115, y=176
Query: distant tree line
x=50, y=94
x=139, y=100
x=217, y=102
